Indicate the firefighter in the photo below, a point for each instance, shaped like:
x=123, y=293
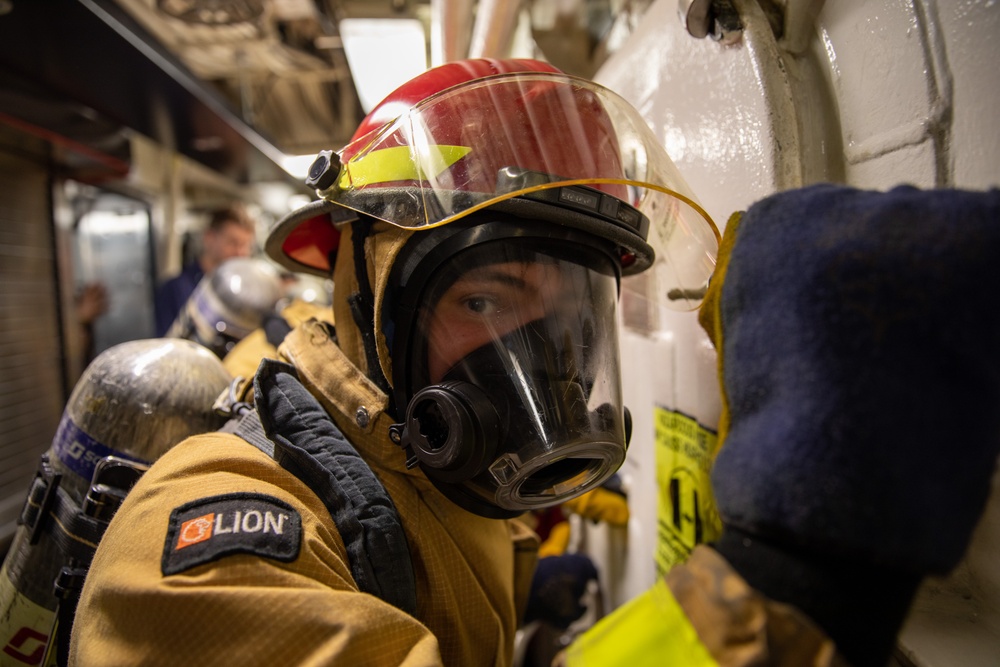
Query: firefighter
x=360, y=507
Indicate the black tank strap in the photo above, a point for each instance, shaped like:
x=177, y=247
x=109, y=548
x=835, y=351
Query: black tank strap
x=275, y=328
x=51, y=510
x=292, y=427
x=74, y=531
x=249, y=428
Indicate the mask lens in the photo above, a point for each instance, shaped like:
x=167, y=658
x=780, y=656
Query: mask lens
x=535, y=332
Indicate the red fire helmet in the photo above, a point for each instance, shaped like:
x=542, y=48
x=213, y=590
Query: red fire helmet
x=471, y=134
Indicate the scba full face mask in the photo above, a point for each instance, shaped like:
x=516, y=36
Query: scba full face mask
x=506, y=367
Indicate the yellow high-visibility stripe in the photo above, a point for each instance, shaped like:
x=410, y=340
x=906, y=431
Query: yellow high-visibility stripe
x=650, y=630
x=396, y=164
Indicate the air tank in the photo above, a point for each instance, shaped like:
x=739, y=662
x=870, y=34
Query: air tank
x=133, y=402
x=228, y=303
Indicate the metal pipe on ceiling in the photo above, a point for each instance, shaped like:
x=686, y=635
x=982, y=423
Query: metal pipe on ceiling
x=451, y=25
x=493, y=33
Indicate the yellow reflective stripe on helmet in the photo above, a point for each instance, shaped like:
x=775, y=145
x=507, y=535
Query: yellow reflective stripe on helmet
x=648, y=631
x=397, y=164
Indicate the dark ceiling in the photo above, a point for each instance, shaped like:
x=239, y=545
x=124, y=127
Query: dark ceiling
x=235, y=84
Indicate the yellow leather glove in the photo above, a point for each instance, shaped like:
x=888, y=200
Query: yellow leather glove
x=709, y=316
x=858, y=364
x=557, y=542
x=600, y=505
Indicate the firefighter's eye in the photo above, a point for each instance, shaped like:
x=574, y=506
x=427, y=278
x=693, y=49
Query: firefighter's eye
x=482, y=305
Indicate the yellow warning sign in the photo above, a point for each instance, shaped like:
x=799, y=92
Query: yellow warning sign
x=687, y=514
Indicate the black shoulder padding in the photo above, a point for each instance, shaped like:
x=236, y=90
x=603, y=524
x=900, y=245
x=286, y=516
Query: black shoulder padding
x=309, y=445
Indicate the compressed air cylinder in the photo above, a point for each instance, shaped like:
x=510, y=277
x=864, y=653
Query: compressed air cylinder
x=228, y=304
x=134, y=401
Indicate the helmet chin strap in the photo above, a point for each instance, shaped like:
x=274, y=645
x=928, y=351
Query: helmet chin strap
x=362, y=304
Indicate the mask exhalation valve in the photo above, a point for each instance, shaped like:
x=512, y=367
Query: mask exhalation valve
x=450, y=430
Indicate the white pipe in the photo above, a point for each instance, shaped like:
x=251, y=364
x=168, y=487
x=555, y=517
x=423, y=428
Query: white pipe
x=451, y=23
x=493, y=33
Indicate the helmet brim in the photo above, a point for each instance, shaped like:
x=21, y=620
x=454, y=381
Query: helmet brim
x=305, y=240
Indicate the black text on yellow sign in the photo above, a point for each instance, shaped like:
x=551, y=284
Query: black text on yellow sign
x=687, y=513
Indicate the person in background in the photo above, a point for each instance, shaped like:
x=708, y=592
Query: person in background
x=230, y=233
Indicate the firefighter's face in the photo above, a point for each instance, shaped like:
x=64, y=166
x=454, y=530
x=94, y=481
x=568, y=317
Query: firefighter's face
x=485, y=304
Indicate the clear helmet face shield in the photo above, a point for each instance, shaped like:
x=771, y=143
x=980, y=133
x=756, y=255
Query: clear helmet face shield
x=572, y=157
x=531, y=135
x=513, y=396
